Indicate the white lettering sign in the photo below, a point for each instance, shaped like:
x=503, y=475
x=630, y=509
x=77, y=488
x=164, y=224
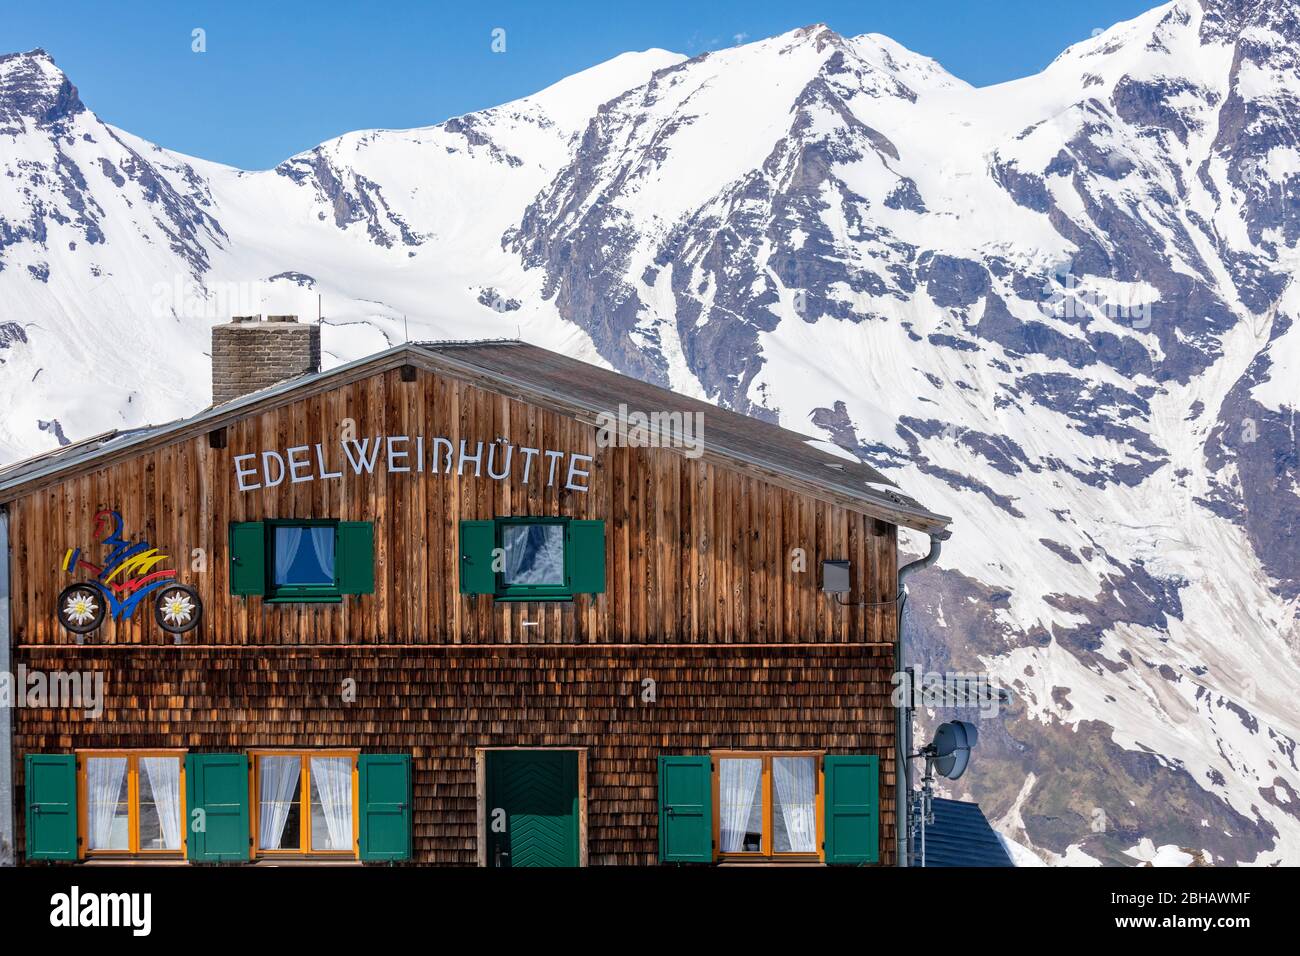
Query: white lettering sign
x=402, y=454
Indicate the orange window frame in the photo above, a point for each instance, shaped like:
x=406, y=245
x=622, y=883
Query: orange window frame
x=304, y=804
x=766, y=795
x=133, y=805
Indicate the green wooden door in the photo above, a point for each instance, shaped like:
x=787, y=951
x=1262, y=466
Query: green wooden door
x=216, y=801
x=532, y=808
x=385, y=787
x=51, y=781
x=685, y=809
x=852, y=808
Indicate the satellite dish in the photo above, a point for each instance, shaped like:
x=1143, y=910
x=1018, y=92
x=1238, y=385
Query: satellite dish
x=953, y=765
x=952, y=745
x=948, y=755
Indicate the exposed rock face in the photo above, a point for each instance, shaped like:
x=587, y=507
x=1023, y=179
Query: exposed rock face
x=32, y=89
x=1061, y=309
x=350, y=197
x=792, y=224
x=60, y=185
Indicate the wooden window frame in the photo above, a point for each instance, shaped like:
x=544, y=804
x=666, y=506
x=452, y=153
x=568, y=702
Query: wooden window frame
x=534, y=592
x=300, y=593
x=767, y=854
x=133, y=850
x=303, y=851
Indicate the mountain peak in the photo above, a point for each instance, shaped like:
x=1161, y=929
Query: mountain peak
x=32, y=86
x=818, y=34
x=915, y=69
x=35, y=53
x=813, y=30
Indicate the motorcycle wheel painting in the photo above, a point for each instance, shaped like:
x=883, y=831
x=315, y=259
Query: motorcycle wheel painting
x=81, y=608
x=177, y=608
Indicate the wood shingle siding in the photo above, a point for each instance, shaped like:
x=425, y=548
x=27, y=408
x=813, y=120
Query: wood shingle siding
x=440, y=703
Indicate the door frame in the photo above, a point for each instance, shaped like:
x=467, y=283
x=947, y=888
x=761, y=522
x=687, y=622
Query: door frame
x=480, y=789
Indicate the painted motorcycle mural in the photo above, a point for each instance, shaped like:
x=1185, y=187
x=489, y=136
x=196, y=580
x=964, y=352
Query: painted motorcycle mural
x=122, y=582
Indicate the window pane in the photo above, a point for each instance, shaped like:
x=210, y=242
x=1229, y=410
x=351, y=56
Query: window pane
x=794, y=804
x=279, y=812
x=106, y=804
x=331, y=803
x=534, y=554
x=740, y=804
x=160, y=803
x=304, y=555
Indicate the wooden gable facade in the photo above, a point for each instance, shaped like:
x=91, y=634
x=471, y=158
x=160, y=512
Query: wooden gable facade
x=709, y=633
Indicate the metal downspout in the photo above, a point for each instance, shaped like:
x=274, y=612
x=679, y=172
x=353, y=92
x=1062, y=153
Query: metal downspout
x=903, y=714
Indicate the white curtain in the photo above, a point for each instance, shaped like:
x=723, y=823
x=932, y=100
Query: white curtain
x=164, y=775
x=331, y=778
x=287, y=541
x=534, y=554
x=519, y=554
x=322, y=542
x=104, y=779
x=280, y=776
x=738, y=780
x=795, y=781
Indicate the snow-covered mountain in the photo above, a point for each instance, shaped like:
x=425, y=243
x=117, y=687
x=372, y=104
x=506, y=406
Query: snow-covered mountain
x=1060, y=308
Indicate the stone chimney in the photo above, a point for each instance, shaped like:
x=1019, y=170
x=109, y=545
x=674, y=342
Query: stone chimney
x=250, y=354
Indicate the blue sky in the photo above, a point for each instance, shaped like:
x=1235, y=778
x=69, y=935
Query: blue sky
x=279, y=77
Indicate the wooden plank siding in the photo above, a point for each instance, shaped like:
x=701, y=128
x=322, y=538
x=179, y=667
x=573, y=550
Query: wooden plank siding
x=696, y=552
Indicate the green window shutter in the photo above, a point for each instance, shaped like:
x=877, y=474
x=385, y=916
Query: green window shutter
x=385, y=788
x=685, y=809
x=51, y=782
x=477, y=540
x=355, y=557
x=247, y=557
x=217, y=784
x=587, y=557
x=852, y=809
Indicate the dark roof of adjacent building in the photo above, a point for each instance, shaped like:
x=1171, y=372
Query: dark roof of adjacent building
x=961, y=836
x=544, y=378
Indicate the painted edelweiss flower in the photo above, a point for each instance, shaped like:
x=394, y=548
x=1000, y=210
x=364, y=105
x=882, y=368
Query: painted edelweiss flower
x=177, y=608
x=81, y=608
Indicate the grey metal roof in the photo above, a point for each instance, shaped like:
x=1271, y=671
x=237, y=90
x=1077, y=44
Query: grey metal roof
x=548, y=379
x=961, y=836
